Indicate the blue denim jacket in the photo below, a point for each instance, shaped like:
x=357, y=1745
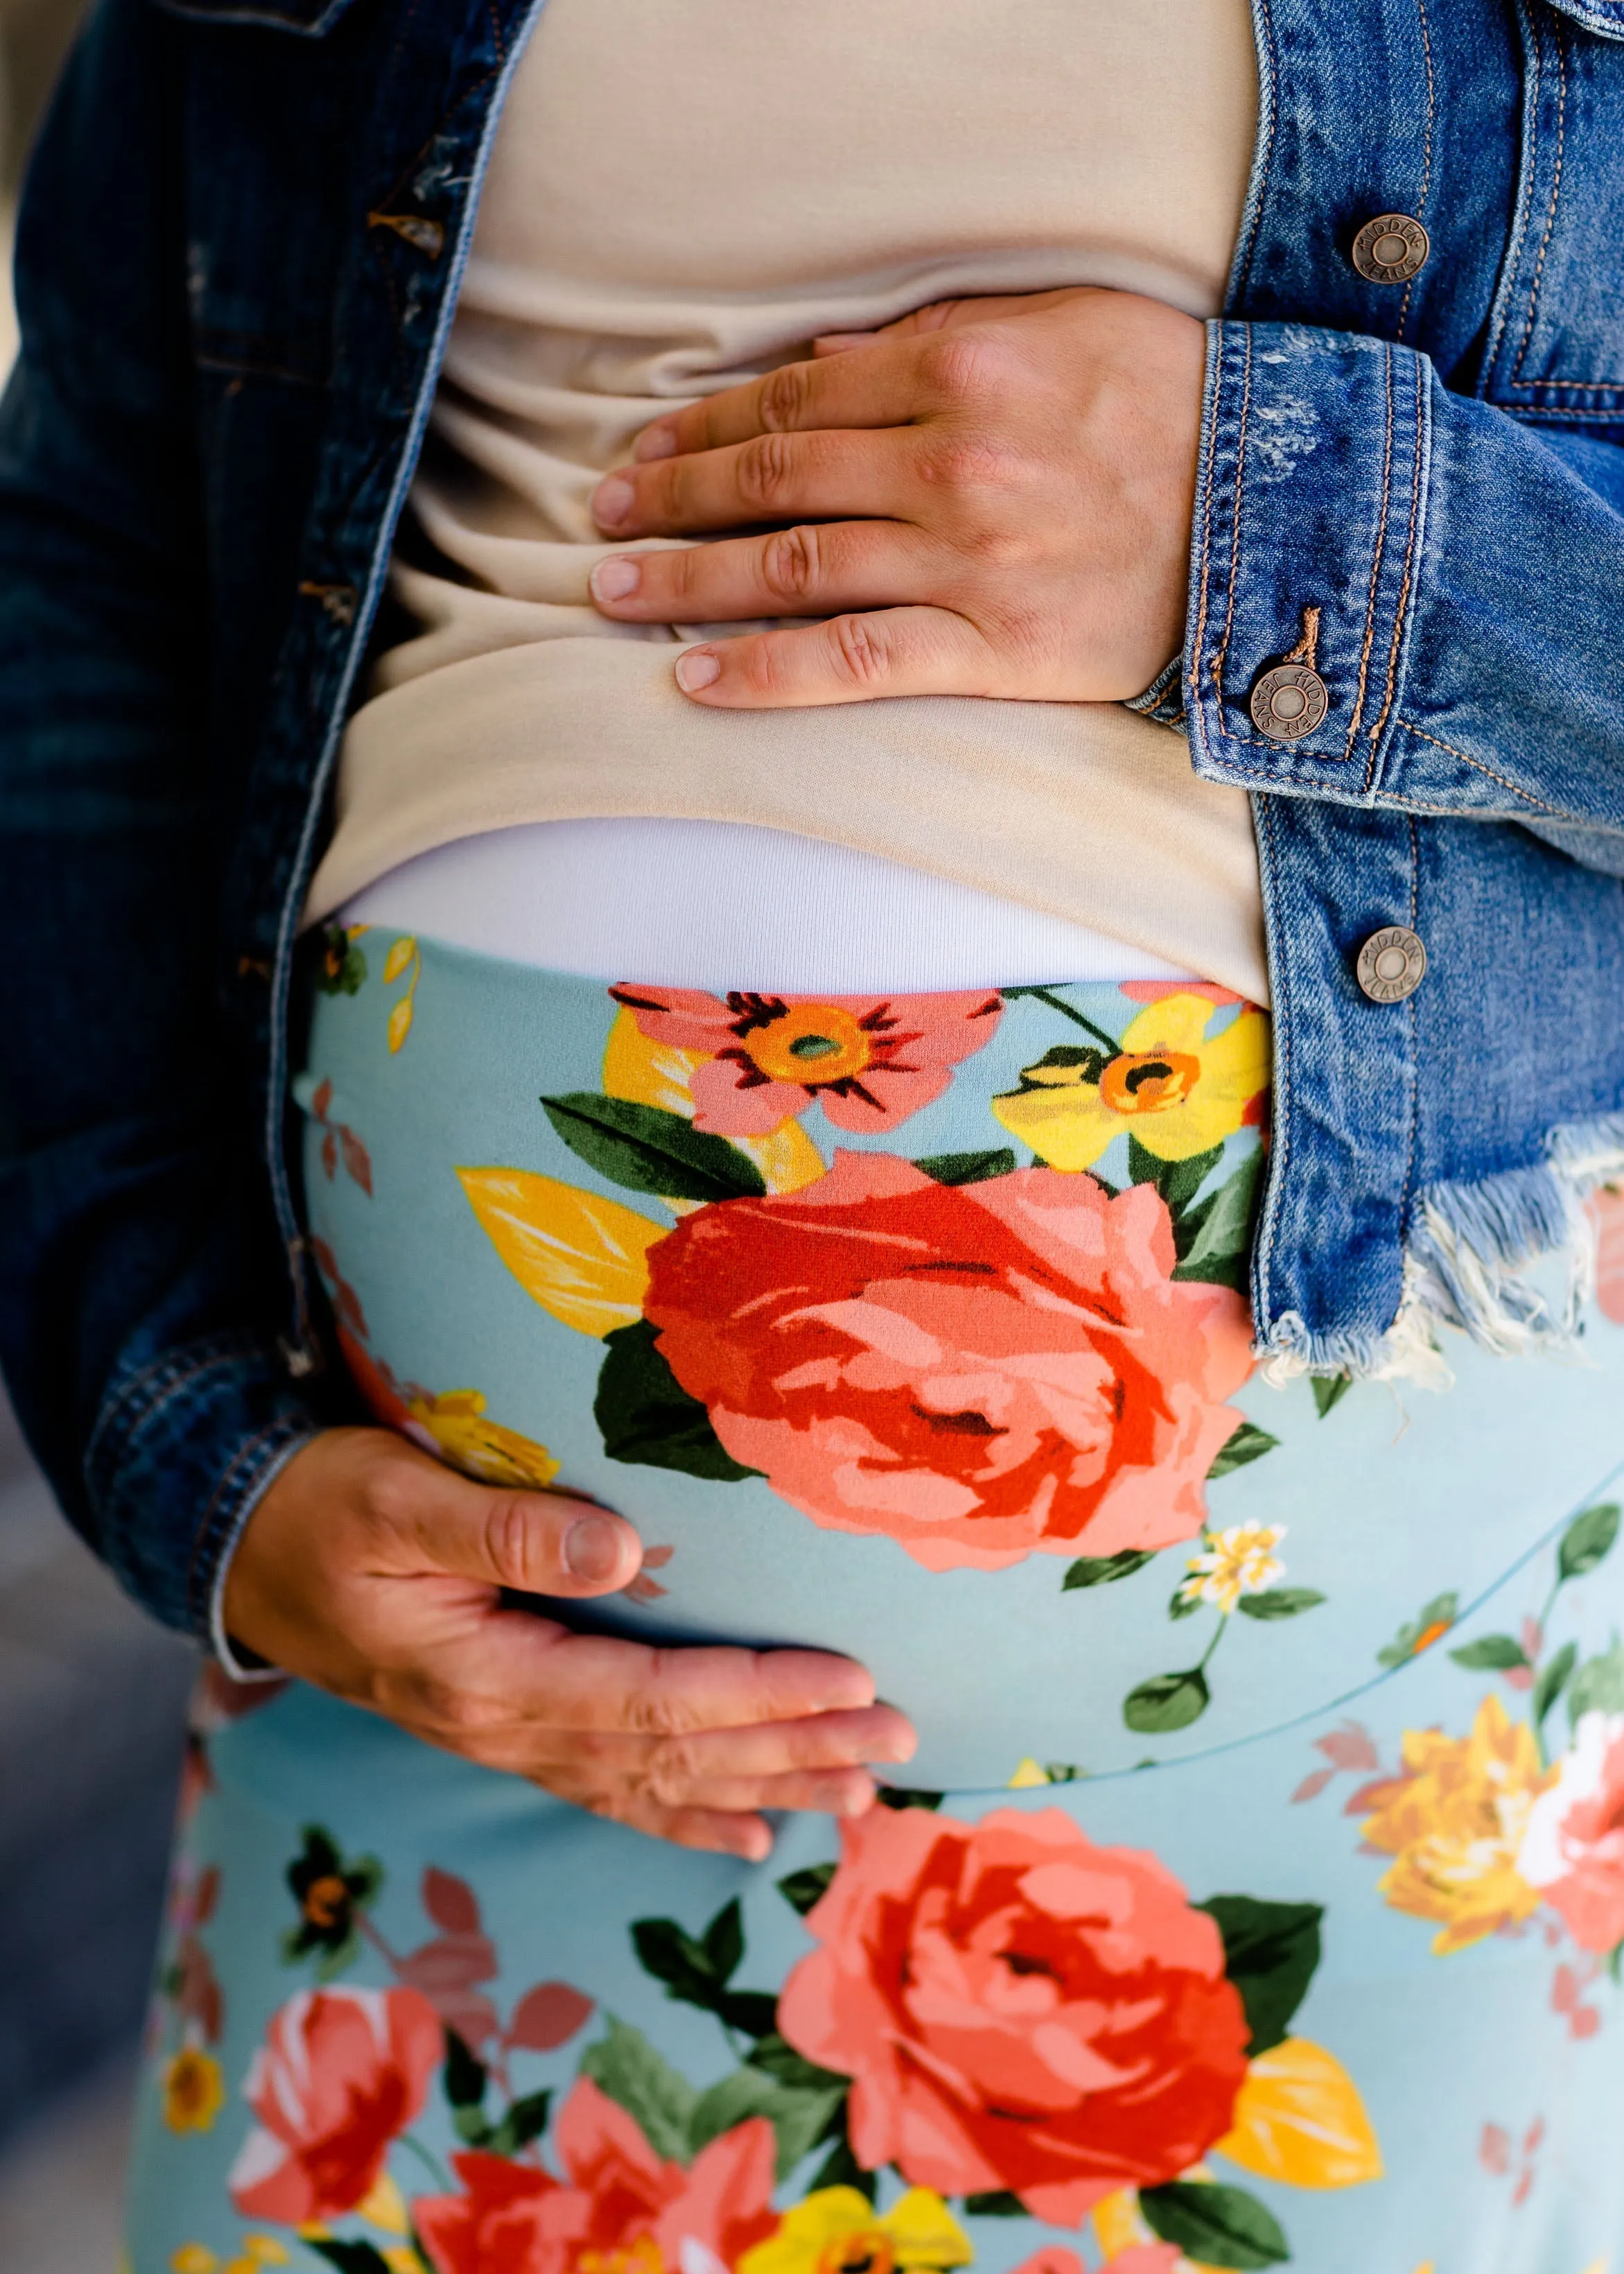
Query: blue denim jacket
x=239, y=256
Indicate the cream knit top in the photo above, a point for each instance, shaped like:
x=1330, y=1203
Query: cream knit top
x=682, y=193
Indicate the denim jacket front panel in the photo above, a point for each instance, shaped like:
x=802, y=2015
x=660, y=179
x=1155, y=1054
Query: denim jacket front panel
x=1410, y=462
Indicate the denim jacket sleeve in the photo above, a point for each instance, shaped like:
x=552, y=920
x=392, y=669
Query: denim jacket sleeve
x=138, y=1277
x=1452, y=572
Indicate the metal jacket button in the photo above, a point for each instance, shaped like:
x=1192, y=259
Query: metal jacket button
x=1392, y=964
x=1391, y=249
x=1288, y=702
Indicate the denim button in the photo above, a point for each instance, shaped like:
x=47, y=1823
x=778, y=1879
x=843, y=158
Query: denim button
x=1288, y=702
x=1391, y=249
x=1392, y=964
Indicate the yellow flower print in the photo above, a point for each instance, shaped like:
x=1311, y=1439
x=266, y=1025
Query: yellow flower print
x=404, y=955
x=194, y=2090
x=579, y=1255
x=836, y=2231
x=1174, y=1090
x=1238, y=1561
x=193, y=2258
x=482, y=1448
x=651, y=1072
x=1454, y=1821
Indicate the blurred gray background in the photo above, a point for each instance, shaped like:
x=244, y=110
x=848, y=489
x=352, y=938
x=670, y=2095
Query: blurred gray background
x=91, y=1703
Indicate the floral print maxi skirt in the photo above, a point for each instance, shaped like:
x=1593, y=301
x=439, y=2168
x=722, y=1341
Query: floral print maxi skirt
x=1256, y=1895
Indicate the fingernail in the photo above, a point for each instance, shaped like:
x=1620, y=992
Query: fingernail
x=654, y=442
x=592, y=1549
x=755, y=1846
x=855, y=1800
x=617, y=579
x=613, y=501
x=697, y=668
x=901, y=1745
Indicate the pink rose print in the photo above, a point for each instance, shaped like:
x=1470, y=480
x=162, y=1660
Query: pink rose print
x=622, y=2206
x=340, y=2074
x=982, y=1372
x=870, y=1061
x=1017, y=2008
x=1573, y=1850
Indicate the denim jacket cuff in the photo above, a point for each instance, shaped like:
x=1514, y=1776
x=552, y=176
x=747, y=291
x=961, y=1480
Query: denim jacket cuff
x=183, y=1451
x=1164, y=700
x=1309, y=521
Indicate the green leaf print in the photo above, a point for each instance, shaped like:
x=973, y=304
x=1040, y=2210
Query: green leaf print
x=697, y=1973
x=1178, y=1182
x=1270, y=1951
x=1552, y=1681
x=908, y=1796
x=1218, y=2226
x=802, y=1889
x=799, y=2118
x=1433, y=1620
x=648, y=1418
x=779, y=2059
x=638, y=2079
x=1167, y=1702
x=1587, y=1540
x=969, y=1168
x=464, y=2075
x=1101, y=1570
x=1279, y=1602
x=1599, y=1685
x=1496, y=1654
x=1216, y=1247
x=342, y=967
x=1329, y=1389
x=996, y=2203
x=1249, y=1443
x=525, y=2120
x=649, y=1150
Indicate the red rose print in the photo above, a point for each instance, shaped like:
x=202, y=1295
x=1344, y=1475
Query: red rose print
x=340, y=2074
x=982, y=1370
x=1017, y=2008
x=871, y=1060
x=620, y=2207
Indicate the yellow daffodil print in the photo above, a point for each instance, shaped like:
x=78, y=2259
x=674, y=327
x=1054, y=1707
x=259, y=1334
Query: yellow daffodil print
x=194, y=2090
x=1178, y=1092
x=1454, y=1822
x=1238, y=1561
x=836, y=2231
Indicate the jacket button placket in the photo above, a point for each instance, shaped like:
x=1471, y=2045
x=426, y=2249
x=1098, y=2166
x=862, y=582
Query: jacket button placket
x=1391, y=964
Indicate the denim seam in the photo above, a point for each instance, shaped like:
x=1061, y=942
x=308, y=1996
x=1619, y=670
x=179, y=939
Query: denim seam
x=1477, y=767
x=1426, y=154
x=1237, y=503
x=1402, y=605
x=1263, y=156
x=1283, y=1025
x=1516, y=379
x=1210, y=446
x=1411, y=1008
x=1377, y=552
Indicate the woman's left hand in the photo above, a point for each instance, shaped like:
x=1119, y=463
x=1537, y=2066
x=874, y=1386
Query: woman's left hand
x=990, y=497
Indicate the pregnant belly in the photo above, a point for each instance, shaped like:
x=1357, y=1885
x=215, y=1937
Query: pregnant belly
x=908, y=1324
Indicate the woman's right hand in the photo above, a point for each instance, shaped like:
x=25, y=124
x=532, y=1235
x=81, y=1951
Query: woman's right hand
x=373, y=1572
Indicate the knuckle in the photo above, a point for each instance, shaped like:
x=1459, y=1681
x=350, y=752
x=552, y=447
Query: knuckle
x=785, y=395
x=515, y=1543
x=861, y=651
x=792, y=565
x=671, y=1774
x=765, y=465
x=964, y=463
x=456, y=1713
x=961, y=365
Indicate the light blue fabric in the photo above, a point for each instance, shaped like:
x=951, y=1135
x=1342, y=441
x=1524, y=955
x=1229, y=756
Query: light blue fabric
x=1390, y=1758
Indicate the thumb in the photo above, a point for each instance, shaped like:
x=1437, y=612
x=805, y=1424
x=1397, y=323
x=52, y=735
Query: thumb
x=537, y=1543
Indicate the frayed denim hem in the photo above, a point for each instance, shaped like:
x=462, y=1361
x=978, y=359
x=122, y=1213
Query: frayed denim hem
x=1467, y=1264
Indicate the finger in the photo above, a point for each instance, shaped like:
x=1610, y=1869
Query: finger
x=536, y=1543
x=811, y=570
x=684, y=1768
x=796, y=398
x=851, y=659
x=952, y=315
x=514, y=1668
x=749, y=1838
x=829, y=475
x=823, y=1792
